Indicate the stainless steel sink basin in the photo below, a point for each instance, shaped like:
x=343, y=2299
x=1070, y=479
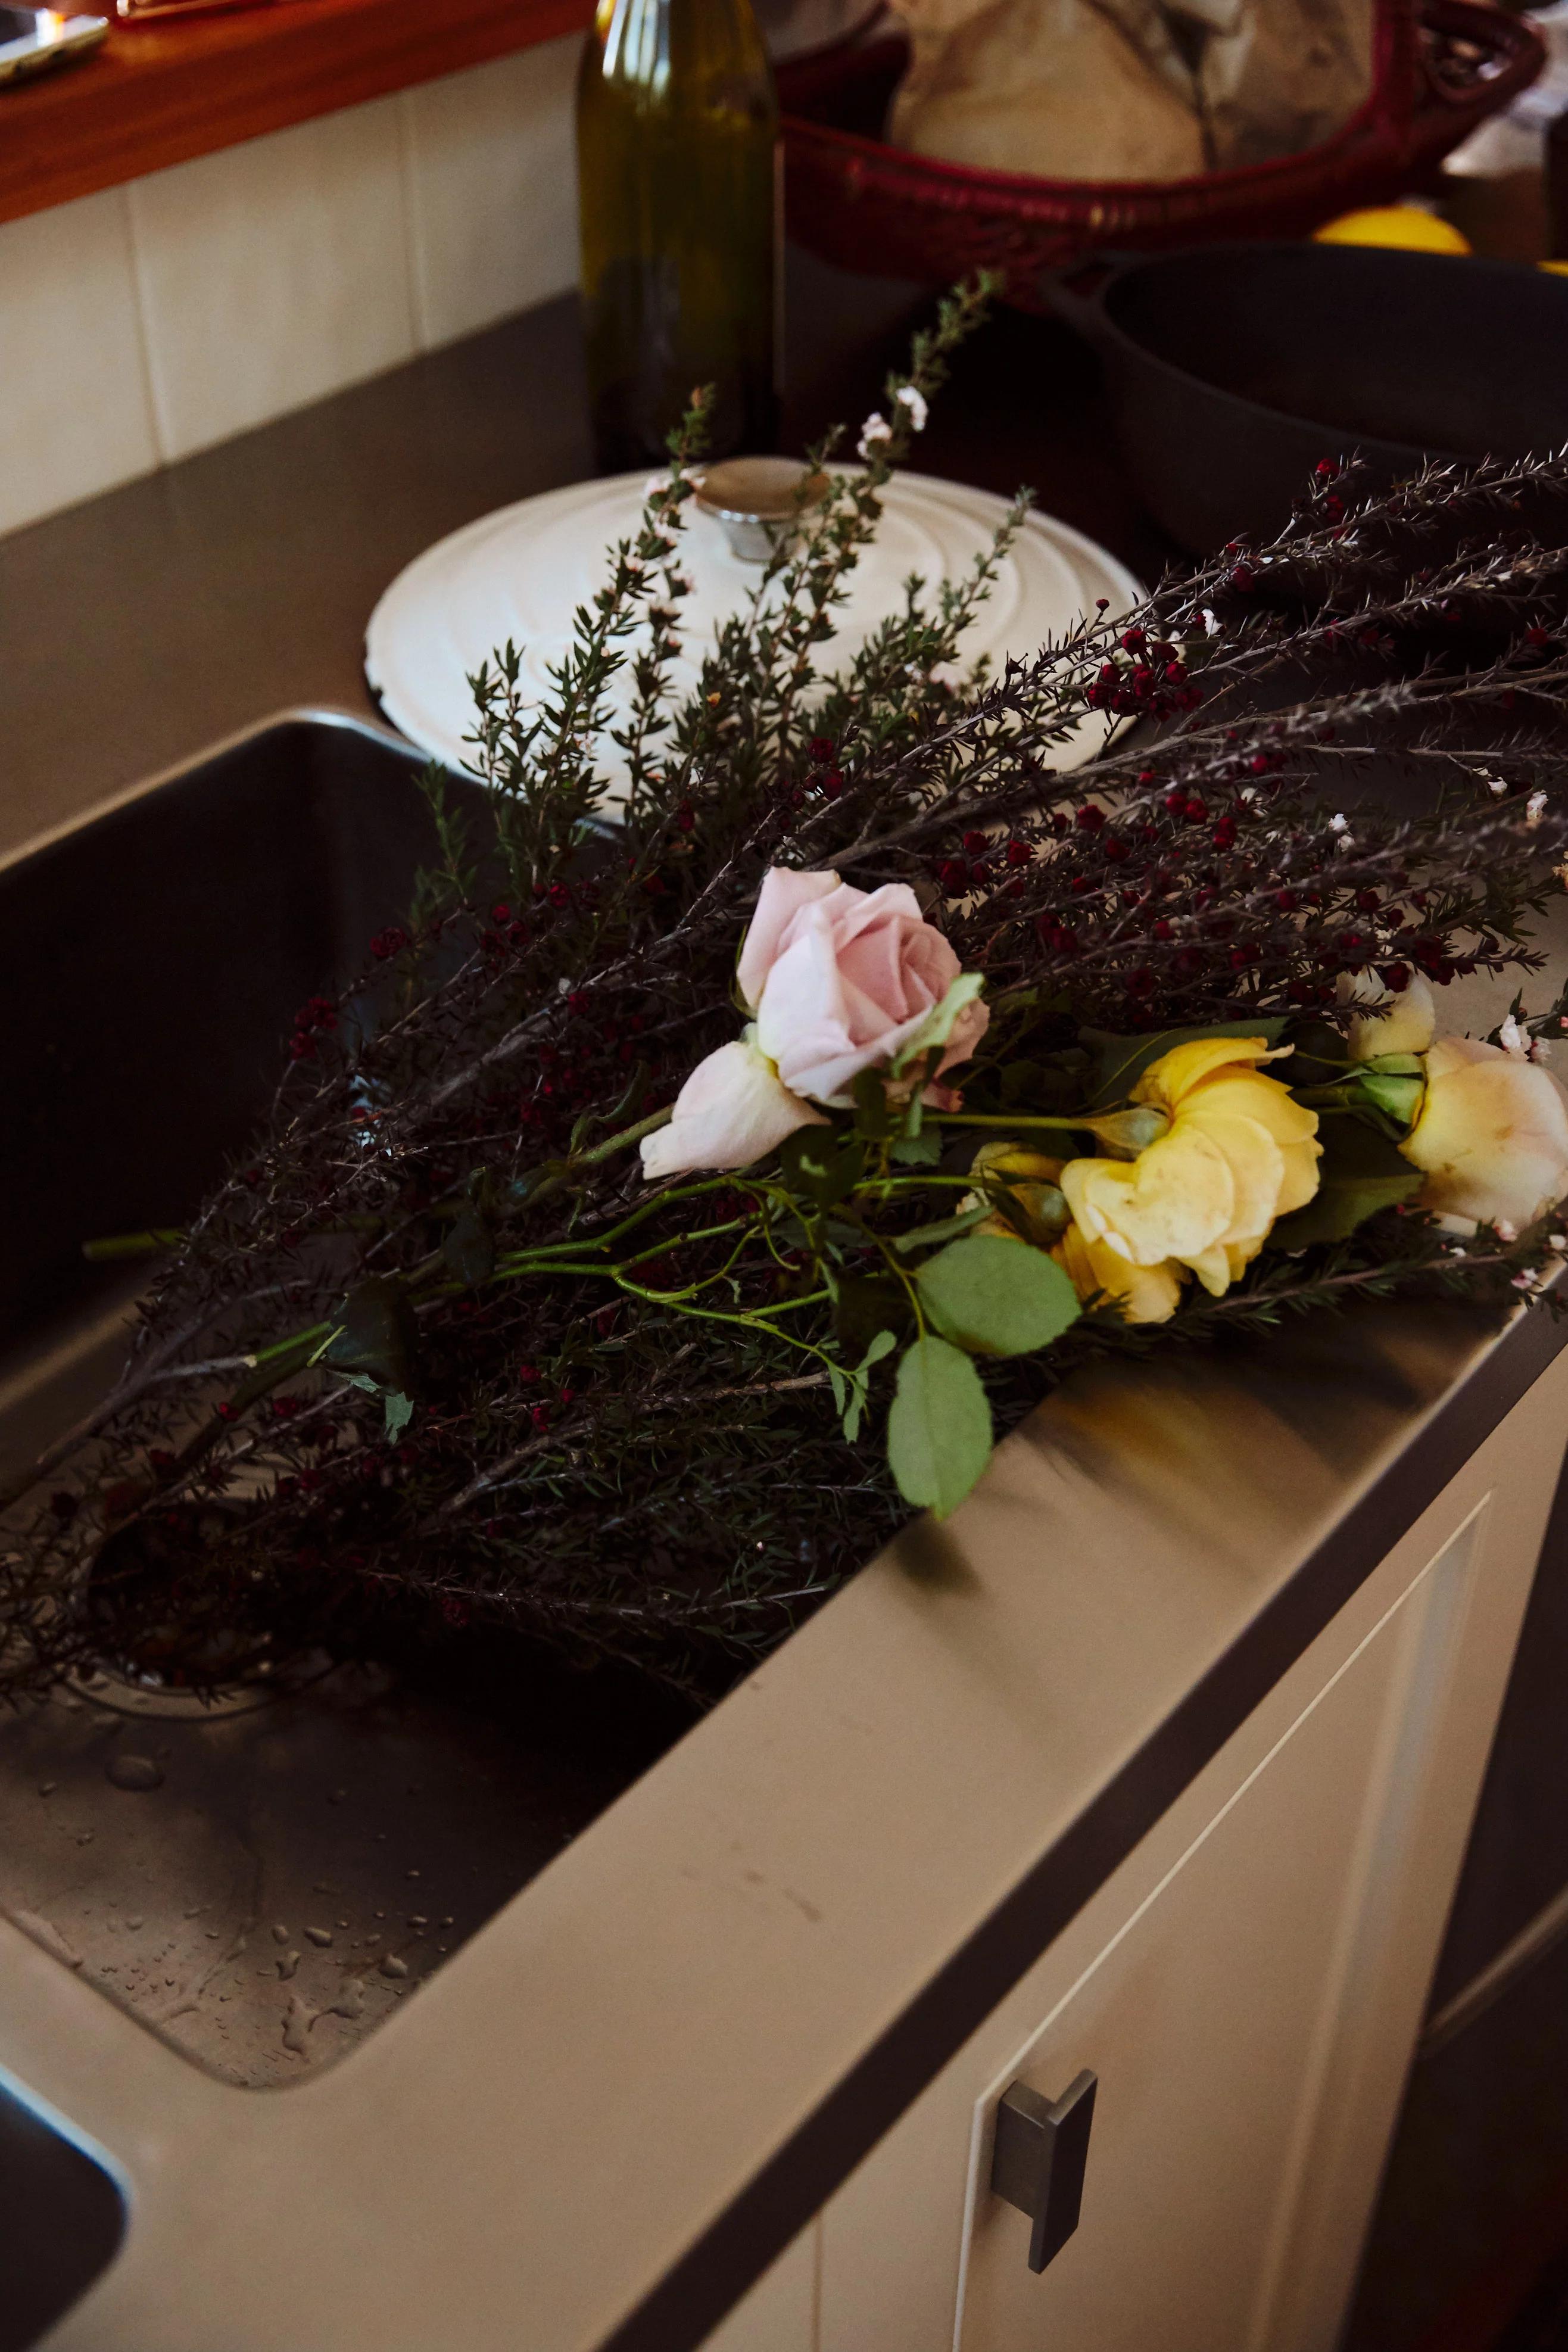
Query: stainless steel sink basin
x=61, y=2220
x=260, y=1882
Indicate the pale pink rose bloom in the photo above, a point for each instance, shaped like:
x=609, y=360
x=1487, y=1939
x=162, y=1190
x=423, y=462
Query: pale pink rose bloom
x=839, y=979
x=1492, y=1136
x=732, y=1110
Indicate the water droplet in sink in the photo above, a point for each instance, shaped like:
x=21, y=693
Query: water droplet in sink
x=279, y=1933
x=320, y=1936
x=49, y=1788
x=350, y=2002
x=138, y=1772
x=286, y=1965
x=135, y=1920
x=393, y=1967
x=296, y=2026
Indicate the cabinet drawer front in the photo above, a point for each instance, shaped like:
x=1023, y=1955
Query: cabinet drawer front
x=1247, y=1988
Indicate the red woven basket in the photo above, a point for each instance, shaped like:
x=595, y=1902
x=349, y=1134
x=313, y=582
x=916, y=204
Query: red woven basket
x=1440, y=68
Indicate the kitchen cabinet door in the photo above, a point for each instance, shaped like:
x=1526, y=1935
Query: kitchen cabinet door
x=1247, y=1989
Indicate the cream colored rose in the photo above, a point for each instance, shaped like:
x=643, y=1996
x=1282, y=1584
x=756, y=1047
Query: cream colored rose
x=1402, y=1024
x=1492, y=1136
x=1240, y=1152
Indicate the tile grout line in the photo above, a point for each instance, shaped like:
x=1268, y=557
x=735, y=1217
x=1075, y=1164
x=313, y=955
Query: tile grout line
x=415, y=257
x=150, y=379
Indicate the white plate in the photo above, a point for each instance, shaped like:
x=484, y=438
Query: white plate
x=522, y=573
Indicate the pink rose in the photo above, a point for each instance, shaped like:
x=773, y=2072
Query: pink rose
x=839, y=981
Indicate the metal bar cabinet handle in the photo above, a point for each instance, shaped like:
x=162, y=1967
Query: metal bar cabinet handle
x=1037, y=2164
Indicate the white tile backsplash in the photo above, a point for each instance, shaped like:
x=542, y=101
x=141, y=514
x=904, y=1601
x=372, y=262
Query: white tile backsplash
x=73, y=375
x=153, y=320
x=492, y=190
x=272, y=273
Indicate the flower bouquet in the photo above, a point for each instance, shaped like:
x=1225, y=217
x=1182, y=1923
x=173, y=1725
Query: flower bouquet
x=671, y=1204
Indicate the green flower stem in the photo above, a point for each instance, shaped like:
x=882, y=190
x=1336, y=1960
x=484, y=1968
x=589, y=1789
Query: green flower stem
x=110, y=1246
x=601, y=1151
x=296, y=1339
x=1084, y=1119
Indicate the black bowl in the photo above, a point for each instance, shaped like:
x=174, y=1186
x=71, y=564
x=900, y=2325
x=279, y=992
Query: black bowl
x=1233, y=369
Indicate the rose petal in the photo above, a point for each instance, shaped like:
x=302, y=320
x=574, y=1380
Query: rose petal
x=1165, y=1082
x=780, y=898
x=1492, y=1135
x=1407, y=1024
x=1145, y=1294
x=732, y=1110
x=1175, y=1200
x=1249, y=1094
x=1257, y=1167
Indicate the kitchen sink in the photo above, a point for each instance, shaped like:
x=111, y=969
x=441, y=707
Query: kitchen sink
x=61, y=2220
x=262, y=1879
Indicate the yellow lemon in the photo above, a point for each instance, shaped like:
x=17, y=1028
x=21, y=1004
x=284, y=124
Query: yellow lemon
x=1399, y=224
x=1558, y=269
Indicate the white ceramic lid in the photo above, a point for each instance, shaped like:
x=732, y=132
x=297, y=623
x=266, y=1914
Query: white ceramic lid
x=521, y=573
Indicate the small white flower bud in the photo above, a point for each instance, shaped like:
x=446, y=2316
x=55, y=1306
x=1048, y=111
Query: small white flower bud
x=875, y=428
x=915, y=403
x=1535, y=808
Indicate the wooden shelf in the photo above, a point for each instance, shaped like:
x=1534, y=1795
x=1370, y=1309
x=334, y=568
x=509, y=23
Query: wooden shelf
x=161, y=93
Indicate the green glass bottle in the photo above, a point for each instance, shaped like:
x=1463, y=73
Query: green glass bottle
x=677, y=141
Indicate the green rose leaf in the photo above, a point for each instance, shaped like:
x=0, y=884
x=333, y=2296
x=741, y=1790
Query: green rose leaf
x=377, y=1334
x=1361, y=1172
x=468, y=1246
x=996, y=1297
x=943, y=1229
x=397, y=1412
x=1120, y=1062
x=876, y=1116
x=865, y=1305
x=940, y=1022
x=939, y=1434
x=821, y=1163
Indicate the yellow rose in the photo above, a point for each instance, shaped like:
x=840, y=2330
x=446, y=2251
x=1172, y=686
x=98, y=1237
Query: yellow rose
x=1492, y=1136
x=1240, y=1152
x=1032, y=1180
x=1145, y=1294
